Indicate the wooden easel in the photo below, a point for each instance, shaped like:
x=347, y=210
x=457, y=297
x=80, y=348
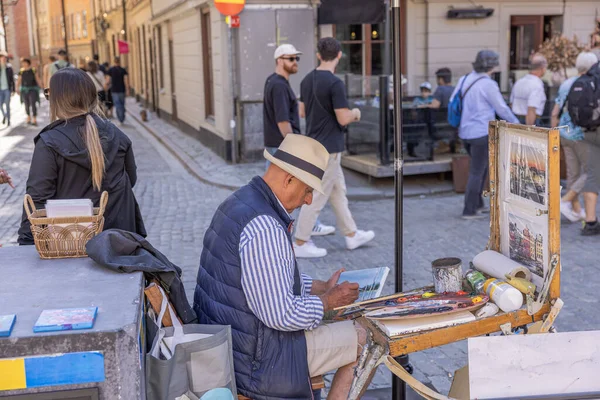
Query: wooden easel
x=380, y=345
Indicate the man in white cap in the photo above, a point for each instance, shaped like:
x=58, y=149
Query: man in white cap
x=248, y=278
x=280, y=109
x=280, y=105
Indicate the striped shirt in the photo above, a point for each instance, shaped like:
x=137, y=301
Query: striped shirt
x=268, y=263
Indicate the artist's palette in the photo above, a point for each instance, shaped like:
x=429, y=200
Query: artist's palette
x=427, y=305
x=356, y=309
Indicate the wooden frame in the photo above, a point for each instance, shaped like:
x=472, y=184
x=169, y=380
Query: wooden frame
x=414, y=342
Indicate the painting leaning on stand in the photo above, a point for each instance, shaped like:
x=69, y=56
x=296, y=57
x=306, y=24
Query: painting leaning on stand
x=80, y=155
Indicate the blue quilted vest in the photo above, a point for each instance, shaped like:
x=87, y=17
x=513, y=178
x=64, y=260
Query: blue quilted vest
x=269, y=364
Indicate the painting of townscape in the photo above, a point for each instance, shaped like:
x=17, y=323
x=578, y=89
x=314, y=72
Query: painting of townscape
x=528, y=172
x=526, y=242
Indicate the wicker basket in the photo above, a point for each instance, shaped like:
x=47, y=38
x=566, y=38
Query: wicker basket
x=63, y=237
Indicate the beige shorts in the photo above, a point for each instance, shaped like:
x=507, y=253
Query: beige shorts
x=331, y=346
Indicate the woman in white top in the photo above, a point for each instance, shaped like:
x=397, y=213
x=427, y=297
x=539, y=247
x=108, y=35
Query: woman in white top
x=97, y=77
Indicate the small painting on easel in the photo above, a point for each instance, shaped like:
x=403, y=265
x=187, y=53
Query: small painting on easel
x=527, y=172
x=526, y=244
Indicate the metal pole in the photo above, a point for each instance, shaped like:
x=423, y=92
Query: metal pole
x=3, y=25
x=386, y=40
x=398, y=385
x=384, y=109
x=65, y=27
x=125, y=20
x=232, y=81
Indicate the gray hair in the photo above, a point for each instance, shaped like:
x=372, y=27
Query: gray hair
x=538, y=61
x=585, y=61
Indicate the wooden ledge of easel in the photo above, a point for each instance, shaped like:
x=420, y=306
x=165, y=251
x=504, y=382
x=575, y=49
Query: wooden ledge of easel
x=400, y=345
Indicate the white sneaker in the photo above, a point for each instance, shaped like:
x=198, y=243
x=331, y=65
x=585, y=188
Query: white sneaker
x=360, y=238
x=582, y=214
x=566, y=209
x=322, y=230
x=309, y=250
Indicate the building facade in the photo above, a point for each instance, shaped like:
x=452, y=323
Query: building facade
x=141, y=54
x=193, y=71
x=187, y=64
x=80, y=30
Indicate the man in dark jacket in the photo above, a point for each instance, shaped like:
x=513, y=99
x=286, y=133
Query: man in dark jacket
x=61, y=169
x=7, y=87
x=248, y=278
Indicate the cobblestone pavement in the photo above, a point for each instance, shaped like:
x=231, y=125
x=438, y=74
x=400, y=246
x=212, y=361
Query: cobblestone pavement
x=177, y=209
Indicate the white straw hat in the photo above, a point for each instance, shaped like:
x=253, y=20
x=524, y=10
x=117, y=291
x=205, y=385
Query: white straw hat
x=303, y=157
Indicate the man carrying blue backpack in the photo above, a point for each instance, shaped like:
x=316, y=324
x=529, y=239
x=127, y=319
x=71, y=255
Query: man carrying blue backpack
x=475, y=102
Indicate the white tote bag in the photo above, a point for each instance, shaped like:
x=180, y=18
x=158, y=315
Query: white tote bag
x=188, y=358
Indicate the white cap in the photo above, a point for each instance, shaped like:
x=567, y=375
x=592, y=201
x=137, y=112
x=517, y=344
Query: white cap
x=425, y=85
x=286, y=50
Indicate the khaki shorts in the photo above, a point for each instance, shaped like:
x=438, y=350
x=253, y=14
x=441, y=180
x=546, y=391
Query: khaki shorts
x=331, y=346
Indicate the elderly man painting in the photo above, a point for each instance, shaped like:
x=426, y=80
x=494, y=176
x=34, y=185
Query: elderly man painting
x=248, y=278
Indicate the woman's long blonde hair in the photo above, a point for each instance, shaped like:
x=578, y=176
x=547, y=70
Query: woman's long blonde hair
x=72, y=93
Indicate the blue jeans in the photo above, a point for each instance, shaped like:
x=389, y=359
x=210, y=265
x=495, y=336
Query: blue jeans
x=5, y=103
x=478, y=172
x=119, y=102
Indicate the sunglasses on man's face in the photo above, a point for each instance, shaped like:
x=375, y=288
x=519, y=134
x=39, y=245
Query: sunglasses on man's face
x=47, y=93
x=292, y=59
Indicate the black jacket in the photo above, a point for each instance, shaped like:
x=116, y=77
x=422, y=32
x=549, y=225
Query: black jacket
x=10, y=78
x=61, y=169
x=127, y=252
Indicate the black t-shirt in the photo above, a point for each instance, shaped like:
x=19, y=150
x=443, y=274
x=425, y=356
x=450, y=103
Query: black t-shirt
x=117, y=79
x=321, y=122
x=443, y=94
x=28, y=78
x=279, y=105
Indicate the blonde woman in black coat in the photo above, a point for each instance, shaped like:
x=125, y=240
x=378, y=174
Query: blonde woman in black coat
x=81, y=154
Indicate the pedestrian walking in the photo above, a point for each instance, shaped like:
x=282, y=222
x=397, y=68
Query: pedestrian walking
x=575, y=148
x=280, y=109
x=7, y=87
x=118, y=81
x=280, y=105
x=46, y=71
x=30, y=91
x=481, y=102
x=62, y=62
x=96, y=59
x=591, y=187
x=80, y=155
x=5, y=178
x=528, y=97
x=99, y=81
x=325, y=106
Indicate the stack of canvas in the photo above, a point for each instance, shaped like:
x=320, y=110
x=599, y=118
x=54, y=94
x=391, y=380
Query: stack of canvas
x=69, y=208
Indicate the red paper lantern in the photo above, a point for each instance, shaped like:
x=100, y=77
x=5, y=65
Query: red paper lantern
x=230, y=7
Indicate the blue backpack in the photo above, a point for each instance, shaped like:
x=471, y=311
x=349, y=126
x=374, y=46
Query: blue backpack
x=456, y=104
